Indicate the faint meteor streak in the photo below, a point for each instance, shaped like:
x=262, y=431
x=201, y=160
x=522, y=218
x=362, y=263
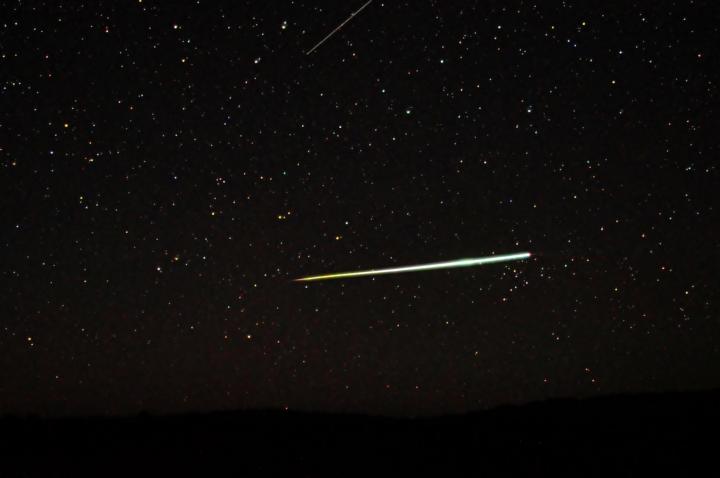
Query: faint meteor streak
x=338, y=27
x=422, y=267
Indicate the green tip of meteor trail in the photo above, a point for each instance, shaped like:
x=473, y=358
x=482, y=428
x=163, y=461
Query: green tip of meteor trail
x=422, y=267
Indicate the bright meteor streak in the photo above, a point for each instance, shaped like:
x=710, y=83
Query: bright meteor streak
x=422, y=267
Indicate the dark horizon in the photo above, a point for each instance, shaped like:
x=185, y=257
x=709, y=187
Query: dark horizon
x=628, y=435
x=517, y=411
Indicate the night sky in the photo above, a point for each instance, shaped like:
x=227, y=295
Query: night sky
x=167, y=169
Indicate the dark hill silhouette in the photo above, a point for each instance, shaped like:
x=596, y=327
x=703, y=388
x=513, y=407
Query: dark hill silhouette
x=632, y=435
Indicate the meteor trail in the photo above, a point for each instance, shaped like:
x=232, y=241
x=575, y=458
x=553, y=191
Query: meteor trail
x=338, y=27
x=422, y=267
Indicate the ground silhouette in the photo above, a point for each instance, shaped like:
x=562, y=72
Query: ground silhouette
x=630, y=435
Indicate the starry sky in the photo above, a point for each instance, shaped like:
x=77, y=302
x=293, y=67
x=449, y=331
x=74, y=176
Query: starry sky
x=167, y=169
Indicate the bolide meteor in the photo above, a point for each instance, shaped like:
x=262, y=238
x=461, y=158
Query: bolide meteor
x=422, y=267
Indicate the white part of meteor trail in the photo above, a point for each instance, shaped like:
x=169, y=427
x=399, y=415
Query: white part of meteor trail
x=422, y=267
x=339, y=27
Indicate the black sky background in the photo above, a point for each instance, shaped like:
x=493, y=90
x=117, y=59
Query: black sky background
x=168, y=168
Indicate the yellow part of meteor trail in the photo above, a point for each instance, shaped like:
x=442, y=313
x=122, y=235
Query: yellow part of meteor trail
x=422, y=267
